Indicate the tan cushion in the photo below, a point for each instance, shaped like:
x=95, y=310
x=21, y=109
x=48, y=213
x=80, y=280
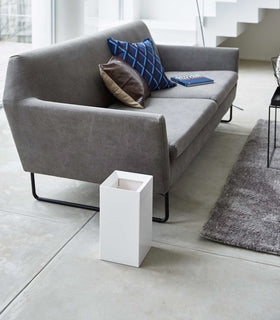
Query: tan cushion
x=125, y=83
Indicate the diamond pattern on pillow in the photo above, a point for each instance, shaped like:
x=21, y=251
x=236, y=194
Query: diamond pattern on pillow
x=142, y=57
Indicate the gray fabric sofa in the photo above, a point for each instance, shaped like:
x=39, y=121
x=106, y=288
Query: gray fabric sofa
x=65, y=122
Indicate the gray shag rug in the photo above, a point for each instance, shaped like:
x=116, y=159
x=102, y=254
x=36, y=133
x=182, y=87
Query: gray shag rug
x=247, y=213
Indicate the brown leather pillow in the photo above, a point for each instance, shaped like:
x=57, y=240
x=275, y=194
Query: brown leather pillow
x=124, y=82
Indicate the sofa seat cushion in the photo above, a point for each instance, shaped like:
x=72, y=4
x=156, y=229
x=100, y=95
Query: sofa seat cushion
x=184, y=118
x=224, y=81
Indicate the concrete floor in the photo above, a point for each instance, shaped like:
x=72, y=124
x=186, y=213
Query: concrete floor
x=49, y=266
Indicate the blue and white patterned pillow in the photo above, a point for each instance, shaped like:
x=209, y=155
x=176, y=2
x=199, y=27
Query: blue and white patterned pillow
x=142, y=57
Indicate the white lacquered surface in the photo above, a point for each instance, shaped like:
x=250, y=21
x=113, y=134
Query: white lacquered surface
x=126, y=217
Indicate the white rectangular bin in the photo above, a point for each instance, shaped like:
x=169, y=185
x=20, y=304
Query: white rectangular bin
x=126, y=205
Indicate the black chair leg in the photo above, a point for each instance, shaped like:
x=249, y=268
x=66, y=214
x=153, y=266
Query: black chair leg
x=83, y=206
x=166, y=210
x=230, y=116
x=61, y=202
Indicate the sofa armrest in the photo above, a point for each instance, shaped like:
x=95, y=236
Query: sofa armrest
x=88, y=143
x=185, y=58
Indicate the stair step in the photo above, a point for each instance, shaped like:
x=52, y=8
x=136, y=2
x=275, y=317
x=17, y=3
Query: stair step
x=268, y=4
x=237, y=12
x=232, y=16
x=212, y=27
x=222, y=19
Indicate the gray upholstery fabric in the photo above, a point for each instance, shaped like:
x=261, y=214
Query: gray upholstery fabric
x=87, y=143
x=224, y=81
x=177, y=165
x=182, y=58
x=184, y=118
x=53, y=96
x=68, y=72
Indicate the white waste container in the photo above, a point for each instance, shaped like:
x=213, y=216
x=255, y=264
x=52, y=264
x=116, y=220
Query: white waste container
x=126, y=205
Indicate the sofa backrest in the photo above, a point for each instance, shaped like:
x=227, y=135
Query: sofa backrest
x=68, y=72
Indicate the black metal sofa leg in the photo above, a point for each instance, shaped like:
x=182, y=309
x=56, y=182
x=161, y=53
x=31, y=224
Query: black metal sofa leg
x=65, y=203
x=230, y=116
x=166, y=210
x=83, y=206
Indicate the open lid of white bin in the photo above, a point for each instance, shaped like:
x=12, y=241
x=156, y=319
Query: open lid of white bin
x=128, y=181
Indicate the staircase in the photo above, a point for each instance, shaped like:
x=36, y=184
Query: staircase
x=221, y=19
x=231, y=18
x=176, y=21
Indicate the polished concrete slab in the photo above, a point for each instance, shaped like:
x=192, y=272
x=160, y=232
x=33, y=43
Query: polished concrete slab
x=173, y=283
x=49, y=254
x=27, y=244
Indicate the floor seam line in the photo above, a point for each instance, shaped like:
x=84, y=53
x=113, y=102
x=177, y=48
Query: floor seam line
x=219, y=255
x=29, y=215
x=47, y=263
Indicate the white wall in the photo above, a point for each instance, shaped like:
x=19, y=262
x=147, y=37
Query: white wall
x=260, y=41
x=91, y=16
x=131, y=9
x=41, y=23
x=168, y=10
x=69, y=19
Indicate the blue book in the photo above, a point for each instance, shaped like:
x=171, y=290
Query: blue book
x=192, y=80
